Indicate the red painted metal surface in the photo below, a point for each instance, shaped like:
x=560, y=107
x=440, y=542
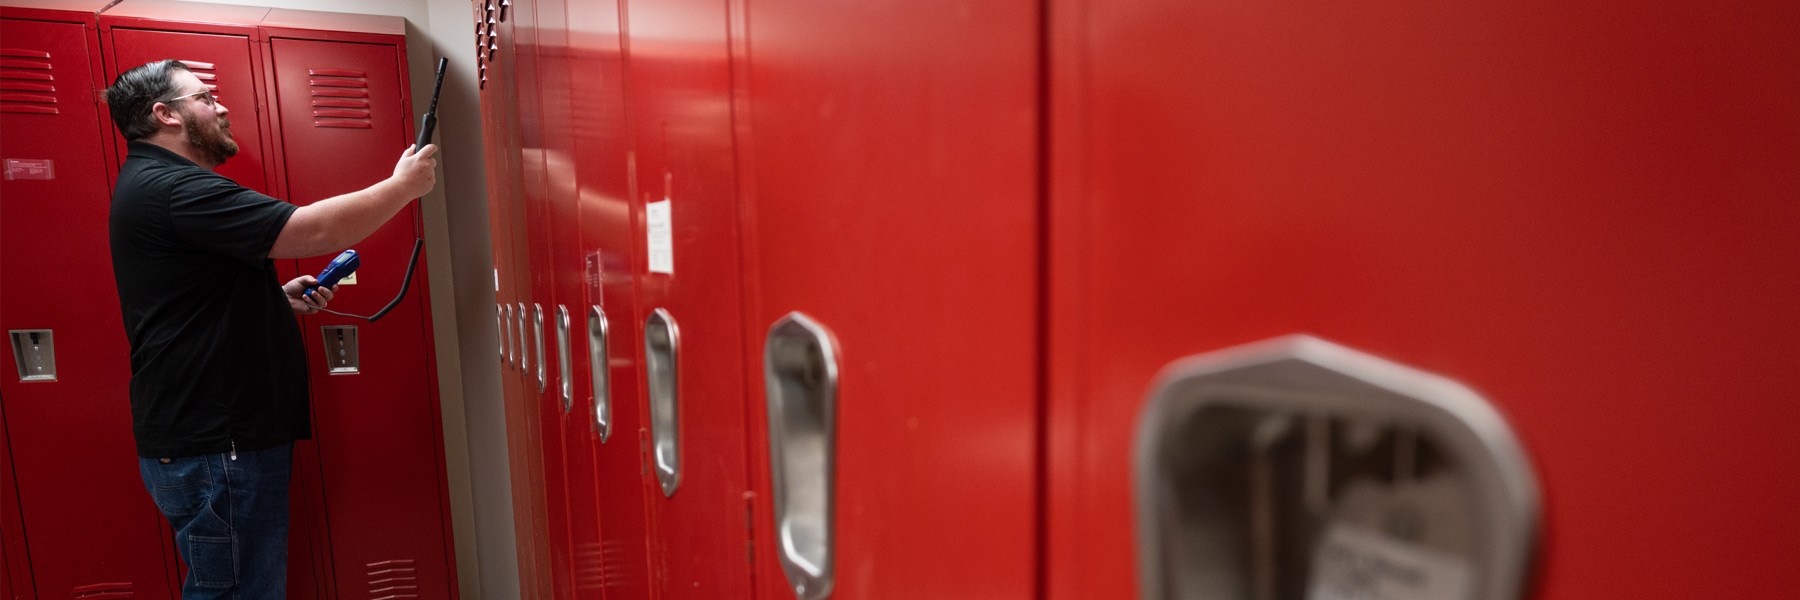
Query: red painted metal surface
x=571, y=395
x=379, y=447
x=680, y=86
x=1584, y=212
x=15, y=565
x=226, y=60
x=535, y=24
x=890, y=167
x=502, y=135
x=566, y=420
x=598, y=124
x=70, y=439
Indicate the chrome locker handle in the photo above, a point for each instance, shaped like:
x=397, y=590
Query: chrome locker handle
x=564, y=381
x=800, y=377
x=500, y=328
x=509, y=351
x=598, y=365
x=662, y=342
x=519, y=318
x=537, y=331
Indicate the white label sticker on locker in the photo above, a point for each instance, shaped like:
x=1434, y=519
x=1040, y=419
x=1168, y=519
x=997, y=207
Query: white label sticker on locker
x=660, y=238
x=1352, y=563
x=30, y=168
x=348, y=280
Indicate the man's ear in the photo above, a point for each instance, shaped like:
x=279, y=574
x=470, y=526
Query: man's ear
x=165, y=115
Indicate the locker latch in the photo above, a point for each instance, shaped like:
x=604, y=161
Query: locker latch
x=340, y=350
x=34, y=351
x=1297, y=468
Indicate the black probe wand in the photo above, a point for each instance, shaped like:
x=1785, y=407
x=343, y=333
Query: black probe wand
x=428, y=122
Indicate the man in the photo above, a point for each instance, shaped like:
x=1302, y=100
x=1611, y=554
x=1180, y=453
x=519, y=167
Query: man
x=218, y=372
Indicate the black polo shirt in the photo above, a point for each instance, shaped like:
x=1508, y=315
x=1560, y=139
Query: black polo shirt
x=216, y=357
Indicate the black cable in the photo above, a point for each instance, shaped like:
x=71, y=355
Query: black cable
x=411, y=263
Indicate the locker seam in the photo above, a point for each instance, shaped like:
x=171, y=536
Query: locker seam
x=1041, y=474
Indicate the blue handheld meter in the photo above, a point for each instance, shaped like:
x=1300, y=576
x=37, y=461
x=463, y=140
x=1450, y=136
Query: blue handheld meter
x=340, y=267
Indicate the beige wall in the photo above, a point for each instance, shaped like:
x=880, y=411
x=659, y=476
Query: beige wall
x=460, y=268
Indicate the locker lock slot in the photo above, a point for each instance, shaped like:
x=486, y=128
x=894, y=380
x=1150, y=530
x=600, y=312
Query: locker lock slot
x=1296, y=468
x=537, y=332
x=602, y=375
x=800, y=378
x=662, y=345
x=34, y=352
x=564, y=379
x=340, y=350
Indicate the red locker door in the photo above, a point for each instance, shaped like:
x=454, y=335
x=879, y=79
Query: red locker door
x=1586, y=212
x=226, y=63
x=88, y=524
x=608, y=249
x=15, y=566
x=534, y=27
x=890, y=174
x=344, y=121
x=680, y=92
x=567, y=394
x=501, y=135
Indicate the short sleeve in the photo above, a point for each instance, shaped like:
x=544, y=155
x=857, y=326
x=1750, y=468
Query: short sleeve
x=215, y=213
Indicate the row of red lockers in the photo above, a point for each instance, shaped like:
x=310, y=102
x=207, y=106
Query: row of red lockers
x=1000, y=220
x=319, y=106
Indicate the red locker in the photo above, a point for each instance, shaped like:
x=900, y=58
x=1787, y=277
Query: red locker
x=535, y=27
x=502, y=131
x=69, y=430
x=221, y=47
x=889, y=156
x=612, y=415
x=568, y=394
x=1583, y=212
x=344, y=118
x=680, y=94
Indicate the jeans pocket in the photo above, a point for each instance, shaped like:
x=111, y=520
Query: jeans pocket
x=214, y=561
x=178, y=488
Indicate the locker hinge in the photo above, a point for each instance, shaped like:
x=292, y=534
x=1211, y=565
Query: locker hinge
x=750, y=530
x=643, y=452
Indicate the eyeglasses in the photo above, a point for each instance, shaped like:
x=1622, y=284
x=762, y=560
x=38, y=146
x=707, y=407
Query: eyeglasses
x=205, y=96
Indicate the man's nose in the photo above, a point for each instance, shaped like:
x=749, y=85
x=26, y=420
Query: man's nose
x=220, y=108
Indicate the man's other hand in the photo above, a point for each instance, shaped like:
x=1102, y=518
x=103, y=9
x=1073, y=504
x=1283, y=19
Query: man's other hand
x=307, y=304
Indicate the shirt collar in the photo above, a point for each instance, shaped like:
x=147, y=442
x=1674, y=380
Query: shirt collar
x=143, y=149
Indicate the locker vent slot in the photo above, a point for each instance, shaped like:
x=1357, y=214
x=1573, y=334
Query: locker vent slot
x=20, y=69
x=332, y=90
x=209, y=77
x=103, y=591
x=485, y=43
x=393, y=580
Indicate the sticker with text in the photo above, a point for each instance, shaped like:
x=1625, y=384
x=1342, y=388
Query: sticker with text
x=1352, y=563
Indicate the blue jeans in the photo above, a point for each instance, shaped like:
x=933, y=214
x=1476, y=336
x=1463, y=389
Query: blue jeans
x=230, y=519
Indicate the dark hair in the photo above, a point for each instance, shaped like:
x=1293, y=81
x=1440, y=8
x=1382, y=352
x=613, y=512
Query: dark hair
x=138, y=89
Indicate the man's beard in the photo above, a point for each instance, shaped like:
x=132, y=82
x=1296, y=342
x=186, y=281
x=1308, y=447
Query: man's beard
x=212, y=142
